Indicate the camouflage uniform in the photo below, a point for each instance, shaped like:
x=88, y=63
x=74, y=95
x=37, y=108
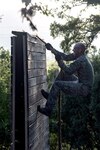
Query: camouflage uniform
x=70, y=84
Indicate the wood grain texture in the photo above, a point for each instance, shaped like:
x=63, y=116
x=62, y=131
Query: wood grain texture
x=37, y=80
x=30, y=129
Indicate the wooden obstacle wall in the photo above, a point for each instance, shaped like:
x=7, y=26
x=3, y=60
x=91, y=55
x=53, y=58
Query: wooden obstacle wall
x=30, y=129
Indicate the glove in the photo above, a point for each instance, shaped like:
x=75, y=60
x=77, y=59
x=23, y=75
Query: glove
x=48, y=46
x=58, y=57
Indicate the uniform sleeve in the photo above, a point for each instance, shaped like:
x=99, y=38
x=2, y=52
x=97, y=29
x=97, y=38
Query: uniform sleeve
x=72, y=68
x=69, y=57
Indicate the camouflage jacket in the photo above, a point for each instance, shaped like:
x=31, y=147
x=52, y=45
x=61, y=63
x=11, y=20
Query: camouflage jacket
x=81, y=66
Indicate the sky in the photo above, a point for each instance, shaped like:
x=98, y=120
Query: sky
x=12, y=21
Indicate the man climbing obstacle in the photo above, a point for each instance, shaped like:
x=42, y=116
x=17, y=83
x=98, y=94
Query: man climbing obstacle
x=75, y=79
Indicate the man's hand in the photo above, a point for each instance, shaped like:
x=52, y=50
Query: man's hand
x=59, y=60
x=58, y=57
x=49, y=46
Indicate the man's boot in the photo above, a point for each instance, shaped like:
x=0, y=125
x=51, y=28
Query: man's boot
x=44, y=111
x=45, y=94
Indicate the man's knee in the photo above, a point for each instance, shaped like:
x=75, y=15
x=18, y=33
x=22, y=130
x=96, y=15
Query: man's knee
x=85, y=91
x=59, y=84
x=60, y=76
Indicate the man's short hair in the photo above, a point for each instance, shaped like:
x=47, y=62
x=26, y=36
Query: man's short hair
x=80, y=45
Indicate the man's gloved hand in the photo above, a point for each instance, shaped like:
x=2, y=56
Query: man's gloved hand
x=48, y=46
x=58, y=57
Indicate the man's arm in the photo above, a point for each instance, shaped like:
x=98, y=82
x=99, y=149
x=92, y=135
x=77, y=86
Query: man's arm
x=72, y=68
x=65, y=57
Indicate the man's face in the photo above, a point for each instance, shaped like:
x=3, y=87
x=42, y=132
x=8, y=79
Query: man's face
x=77, y=51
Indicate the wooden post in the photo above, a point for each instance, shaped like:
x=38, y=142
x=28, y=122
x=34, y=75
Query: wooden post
x=30, y=129
x=59, y=122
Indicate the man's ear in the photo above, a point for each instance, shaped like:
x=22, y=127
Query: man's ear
x=80, y=50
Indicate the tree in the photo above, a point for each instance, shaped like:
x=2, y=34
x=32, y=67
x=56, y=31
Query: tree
x=4, y=96
x=80, y=116
x=95, y=104
x=52, y=71
x=26, y=2
x=31, y=9
x=90, y=2
x=76, y=28
x=81, y=125
x=70, y=27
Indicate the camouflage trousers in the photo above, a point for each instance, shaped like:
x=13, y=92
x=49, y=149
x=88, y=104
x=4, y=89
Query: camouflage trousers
x=69, y=85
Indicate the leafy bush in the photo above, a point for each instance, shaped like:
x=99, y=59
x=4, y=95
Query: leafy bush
x=52, y=71
x=4, y=97
x=81, y=117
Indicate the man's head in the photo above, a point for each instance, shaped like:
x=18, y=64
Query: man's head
x=79, y=49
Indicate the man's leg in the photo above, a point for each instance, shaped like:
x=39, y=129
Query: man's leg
x=62, y=76
x=68, y=87
x=74, y=89
x=52, y=96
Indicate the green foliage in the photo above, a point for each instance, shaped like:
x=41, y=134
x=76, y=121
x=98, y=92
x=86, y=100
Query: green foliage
x=71, y=28
x=92, y=2
x=30, y=11
x=96, y=63
x=71, y=31
x=95, y=104
x=80, y=117
x=81, y=123
x=76, y=117
x=53, y=141
x=52, y=72
x=4, y=96
x=75, y=28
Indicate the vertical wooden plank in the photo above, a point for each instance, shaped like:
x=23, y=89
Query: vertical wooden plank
x=30, y=128
x=18, y=95
x=25, y=89
x=13, y=91
x=38, y=123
